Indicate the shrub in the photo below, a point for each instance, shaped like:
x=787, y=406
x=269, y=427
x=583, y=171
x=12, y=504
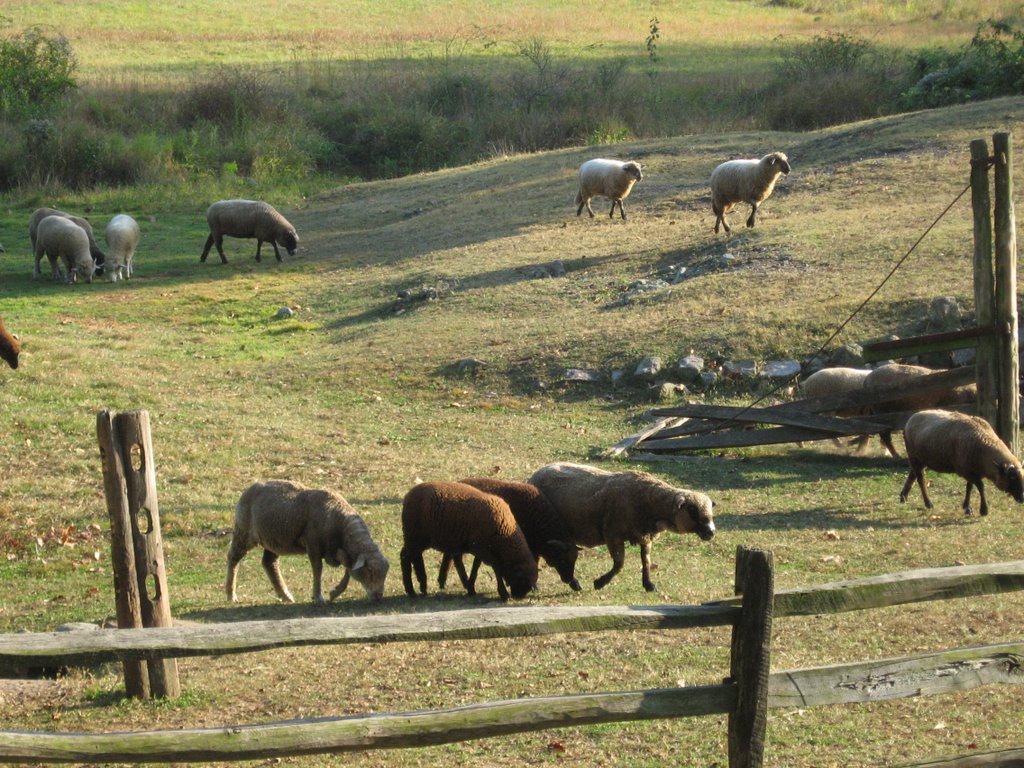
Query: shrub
x=36, y=71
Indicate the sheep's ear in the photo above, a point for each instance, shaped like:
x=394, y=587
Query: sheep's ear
x=359, y=563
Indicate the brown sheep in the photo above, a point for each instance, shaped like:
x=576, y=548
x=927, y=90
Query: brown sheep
x=10, y=347
x=248, y=219
x=947, y=441
x=456, y=518
x=613, y=508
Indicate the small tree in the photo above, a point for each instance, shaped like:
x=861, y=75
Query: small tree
x=36, y=70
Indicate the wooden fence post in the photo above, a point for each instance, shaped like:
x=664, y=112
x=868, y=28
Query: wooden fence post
x=750, y=667
x=1008, y=388
x=140, y=580
x=984, y=284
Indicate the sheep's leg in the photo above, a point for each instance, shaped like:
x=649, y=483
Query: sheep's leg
x=645, y=563
x=206, y=248
x=235, y=554
x=460, y=569
x=983, y=510
x=617, y=549
x=442, y=572
x=317, y=564
x=277, y=253
x=923, y=484
x=589, y=209
x=720, y=218
x=502, y=592
x=886, y=438
x=406, y=559
x=342, y=585
x=273, y=569
x=259, y=244
x=753, y=212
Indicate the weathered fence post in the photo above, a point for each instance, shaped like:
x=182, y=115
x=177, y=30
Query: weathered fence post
x=751, y=657
x=1008, y=385
x=140, y=580
x=984, y=284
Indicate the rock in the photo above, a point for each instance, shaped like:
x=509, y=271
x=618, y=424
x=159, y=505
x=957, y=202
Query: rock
x=617, y=377
x=961, y=357
x=581, y=374
x=642, y=289
x=781, y=370
x=470, y=365
x=557, y=268
x=708, y=379
x=668, y=392
x=285, y=312
x=850, y=355
x=689, y=368
x=944, y=315
x=814, y=363
x=648, y=369
x=739, y=369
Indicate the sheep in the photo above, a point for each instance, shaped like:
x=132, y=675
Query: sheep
x=122, y=236
x=456, y=518
x=60, y=238
x=547, y=534
x=948, y=441
x=613, y=508
x=836, y=381
x=613, y=179
x=41, y=213
x=745, y=181
x=286, y=518
x=10, y=346
x=248, y=219
x=897, y=373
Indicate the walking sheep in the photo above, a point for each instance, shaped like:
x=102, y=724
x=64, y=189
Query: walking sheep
x=122, y=236
x=286, y=518
x=745, y=181
x=898, y=373
x=613, y=508
x=248, y=219
x=547, y=534
x=41, y=213
x=10, y=347
x=837, y=381
x=456, y=518
x=59, y=238
x=613, y=179
x=947, y=441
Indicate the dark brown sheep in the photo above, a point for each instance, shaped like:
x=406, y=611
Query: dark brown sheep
x=456, y=518
x=10, y=347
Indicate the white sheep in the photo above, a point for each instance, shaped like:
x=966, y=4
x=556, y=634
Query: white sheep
x=836, y=381
x=613, y=508
x=122, y=236
x=59, y=238
x=248, y=219
x=41, y=213
x=745, y=181
x=613, y=179
x=286, y=518
x=948, y=441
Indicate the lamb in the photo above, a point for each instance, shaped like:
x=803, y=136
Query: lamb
x=60, y=238
x=612, y=508
x=41, y=213
x=456, y=518
x=547, y=534
x=947, y=441
x=122, y=236
x=897, y=373
x=613, y=179
x=248, y=219
x=286, y=518
x=745, y=181
x=10, y=347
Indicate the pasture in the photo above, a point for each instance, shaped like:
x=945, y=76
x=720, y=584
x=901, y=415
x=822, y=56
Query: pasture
x=360, y=391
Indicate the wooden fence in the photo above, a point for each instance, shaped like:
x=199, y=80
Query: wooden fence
x=746, y=695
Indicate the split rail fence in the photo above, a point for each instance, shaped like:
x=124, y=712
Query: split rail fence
x=745, y=695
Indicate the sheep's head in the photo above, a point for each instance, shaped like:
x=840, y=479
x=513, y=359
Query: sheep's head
x=10, y=347
x=84, y=269
x=521, y=578
x=371, y=571
x=778, y=162
x=634, y=170
x=1009, y=478
x=693, y=515
x=288, y=240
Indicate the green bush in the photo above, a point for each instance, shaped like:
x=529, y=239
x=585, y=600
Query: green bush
x=36, y=71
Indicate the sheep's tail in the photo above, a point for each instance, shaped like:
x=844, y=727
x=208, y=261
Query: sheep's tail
x=579, y=198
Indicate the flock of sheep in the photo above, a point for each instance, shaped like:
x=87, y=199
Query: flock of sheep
x=507, y=525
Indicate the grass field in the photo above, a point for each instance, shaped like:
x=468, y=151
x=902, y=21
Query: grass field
x=360, y=392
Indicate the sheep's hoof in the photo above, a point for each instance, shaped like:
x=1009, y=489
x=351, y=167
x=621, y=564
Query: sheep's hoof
x=649, y=586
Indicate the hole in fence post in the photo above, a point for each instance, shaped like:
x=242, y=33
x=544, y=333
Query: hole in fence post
x=136, y=457
x=153, y=587
x=144, y=519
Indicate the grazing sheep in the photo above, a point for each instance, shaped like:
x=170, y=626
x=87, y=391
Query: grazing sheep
x=745, y=181
x=547, y=534
x=836, y=381
x=248, y=219
x=10, y=347
x=41, y=213
x=58, y=237
x=613, y=508
x=613, y=179
x=122, y=236
x=456, y=518
x=286, y=518
x=898, y=373
x=947, y=441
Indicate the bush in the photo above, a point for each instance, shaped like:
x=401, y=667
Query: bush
x=36, y=71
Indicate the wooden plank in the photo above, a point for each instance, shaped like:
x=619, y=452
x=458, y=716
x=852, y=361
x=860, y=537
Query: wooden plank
x=83, y=648
x=622, y=447
x=750, y=662
x=1007, y=758
x=737, y=438
x=364, y=732
x=726, y=415
x=921, y=585
x=933, y=342
x=926, y=674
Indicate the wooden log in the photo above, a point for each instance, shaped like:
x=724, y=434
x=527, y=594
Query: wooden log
x=984, y=281
x=716, y=416
x=364, y=732
x=1007, y=758
x=1008, y=380
x=932, y=342
x=926, y=674
x=921, y=585
x=37, y=648
x=750, y=664
x=737, y=439
x=622, y=447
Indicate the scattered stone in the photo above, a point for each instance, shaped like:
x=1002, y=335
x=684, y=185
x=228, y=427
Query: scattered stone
x=850, y=355
x=739, y=369
x=642, y=289
x=689, y=368
x=581, y=374
x=781, y=370
x=667, y=391
x=470, y=365
x=961, y=357
x=617, y=377
x=285, y=312
x=944, y=315
x=648, y=369
x=708, y=379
